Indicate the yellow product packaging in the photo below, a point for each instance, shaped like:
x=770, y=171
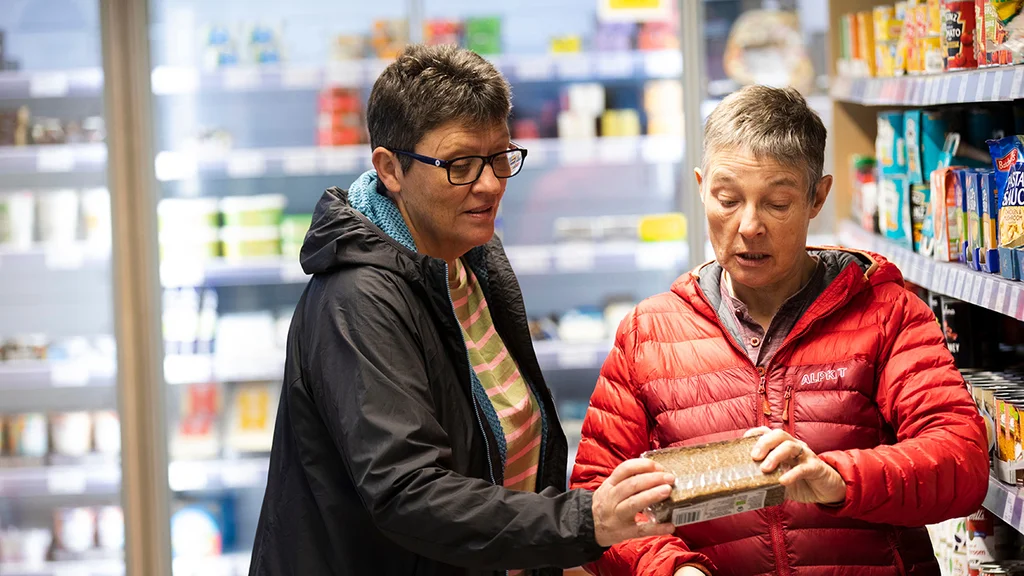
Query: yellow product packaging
x=934, y=21
x=881, y=17
x=931, y=54
x=886, y=59
x=663, y=227
x=866, y=42
x=1008, y=161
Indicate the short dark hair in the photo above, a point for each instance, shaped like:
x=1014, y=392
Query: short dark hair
x=428, y=86
x=768, y=122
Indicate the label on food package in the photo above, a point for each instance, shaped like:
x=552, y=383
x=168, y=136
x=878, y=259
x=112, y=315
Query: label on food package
x=1006, y=154
x=719, y=507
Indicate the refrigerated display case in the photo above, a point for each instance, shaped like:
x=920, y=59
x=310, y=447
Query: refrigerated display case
x=60, y=438
x=254, y=119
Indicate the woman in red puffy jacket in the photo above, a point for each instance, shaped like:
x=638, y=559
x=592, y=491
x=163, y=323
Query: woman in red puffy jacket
x=823, y=352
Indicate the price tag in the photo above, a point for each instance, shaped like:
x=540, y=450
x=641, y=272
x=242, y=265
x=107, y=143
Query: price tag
x=168, y=80
x=69, y=374
x=241, y=474
x=1018, y=81
x=65, y=257
x=182, y=272
x=947, y=89
x=962, y=95
x=1015, y=304
x=990, y=293
x=979, y=93
x=301, y=78
x=534, y=68
x=241, y=78
x=615, y=65
x=530, y=259
x=1008, y=508
x=618, y=150
x=187, y=477
x=958, y=292
x=55, y=159
x=65, y=481
x=341, y=161
x=301, y=162
x=48, y=85
x=347, y=74
x=658, y=255
x=997, y=86
x=576, y=257
x=292, y=273
x=246, y=164
x=979, y=284
x=575, y=356
x=1001, y=297
x=578, y=151
x=573, y=67
x=173, y=166
x=663, y=64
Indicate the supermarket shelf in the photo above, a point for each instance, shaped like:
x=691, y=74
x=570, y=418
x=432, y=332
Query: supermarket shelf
x=76, y=256
x=213, y=475
x=950, y=279
x=233, y=564
x=168, y=80
x=55, y=159
x=313, y=161
x=36, y=374
x=577, y=257
x=558, y=355
x=83, y=82
x=1005, y=501
x=73, y=568
x=982, y=85
x=69, y=479
x=201, y=368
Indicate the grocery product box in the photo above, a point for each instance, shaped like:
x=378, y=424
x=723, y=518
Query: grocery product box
x=974, y=233
x=894, y=209
x=920, y=214
x=945, y=222
x=714, y=480
x=988, y=256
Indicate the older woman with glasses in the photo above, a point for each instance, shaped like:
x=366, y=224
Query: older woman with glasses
x=415, y=433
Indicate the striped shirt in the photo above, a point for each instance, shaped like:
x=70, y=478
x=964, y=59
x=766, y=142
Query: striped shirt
x=514, y=403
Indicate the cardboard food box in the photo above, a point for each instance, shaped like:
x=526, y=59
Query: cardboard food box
x=715, y=480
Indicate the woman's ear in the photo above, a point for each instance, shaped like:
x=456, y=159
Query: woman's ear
x=389, y=169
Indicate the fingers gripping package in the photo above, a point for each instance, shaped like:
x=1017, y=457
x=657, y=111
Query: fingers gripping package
x=1008, y=159
x=714, y=480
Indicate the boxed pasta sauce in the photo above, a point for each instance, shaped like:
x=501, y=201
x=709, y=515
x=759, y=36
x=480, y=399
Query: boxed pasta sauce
x=714, y=480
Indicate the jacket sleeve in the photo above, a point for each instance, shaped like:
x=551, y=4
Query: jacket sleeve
x=369, y=373
x=614, y=430
x=938, y=468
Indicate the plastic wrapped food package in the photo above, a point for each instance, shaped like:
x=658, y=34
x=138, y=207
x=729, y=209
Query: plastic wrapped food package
x=714, y=480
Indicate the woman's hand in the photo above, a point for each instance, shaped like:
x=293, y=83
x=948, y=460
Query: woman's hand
x=810, y=481
x=632, y=487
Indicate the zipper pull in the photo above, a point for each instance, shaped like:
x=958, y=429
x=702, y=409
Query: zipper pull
x=785, y=409
x=763, y=391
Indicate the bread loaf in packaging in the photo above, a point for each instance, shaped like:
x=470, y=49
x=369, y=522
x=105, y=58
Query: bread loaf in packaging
x=714, y=480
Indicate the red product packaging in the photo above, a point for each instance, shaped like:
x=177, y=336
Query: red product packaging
x=958, y=34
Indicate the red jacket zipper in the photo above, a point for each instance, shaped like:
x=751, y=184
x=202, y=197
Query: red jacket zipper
x=782, y=567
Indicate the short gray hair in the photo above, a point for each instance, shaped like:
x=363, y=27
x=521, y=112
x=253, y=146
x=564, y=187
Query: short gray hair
x=773, y=123
x=428, y=86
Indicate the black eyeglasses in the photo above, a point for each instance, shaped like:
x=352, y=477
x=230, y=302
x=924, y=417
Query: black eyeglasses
x=468, y=169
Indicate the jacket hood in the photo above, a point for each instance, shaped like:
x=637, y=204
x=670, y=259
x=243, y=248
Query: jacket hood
x=360, y=227
x=854, y=270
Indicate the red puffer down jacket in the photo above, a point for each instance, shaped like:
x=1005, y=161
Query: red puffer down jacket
x=864, y=378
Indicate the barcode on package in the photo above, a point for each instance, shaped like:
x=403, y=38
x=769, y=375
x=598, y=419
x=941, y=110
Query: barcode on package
x=684, y=516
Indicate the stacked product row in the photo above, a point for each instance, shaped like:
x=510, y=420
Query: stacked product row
x=930, y=37
x=948, y=184
x=55, y=217
x=78, y=533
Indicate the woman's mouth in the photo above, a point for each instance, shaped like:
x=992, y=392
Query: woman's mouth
x=752, y=258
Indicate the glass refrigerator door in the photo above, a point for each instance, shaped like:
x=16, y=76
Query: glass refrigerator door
x=60, y=441
x=254, y=118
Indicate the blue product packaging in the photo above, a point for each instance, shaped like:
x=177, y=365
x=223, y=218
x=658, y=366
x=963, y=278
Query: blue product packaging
x=890, y=145
x=934, y=127
x=912, y=140
x=974, y=233
x=989, y=194
x=894, y=210
x=1008, y=161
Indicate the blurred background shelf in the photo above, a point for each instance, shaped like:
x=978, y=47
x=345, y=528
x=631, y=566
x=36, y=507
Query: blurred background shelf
x=624, y=257
x=93, y=476
x=74, y=568
x=53, y=159
x=231, y=564
x=38, y=374
x=604, y=66
x=1005, y=502
x=174, y=166
x=215, y=475
x=84, y=82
